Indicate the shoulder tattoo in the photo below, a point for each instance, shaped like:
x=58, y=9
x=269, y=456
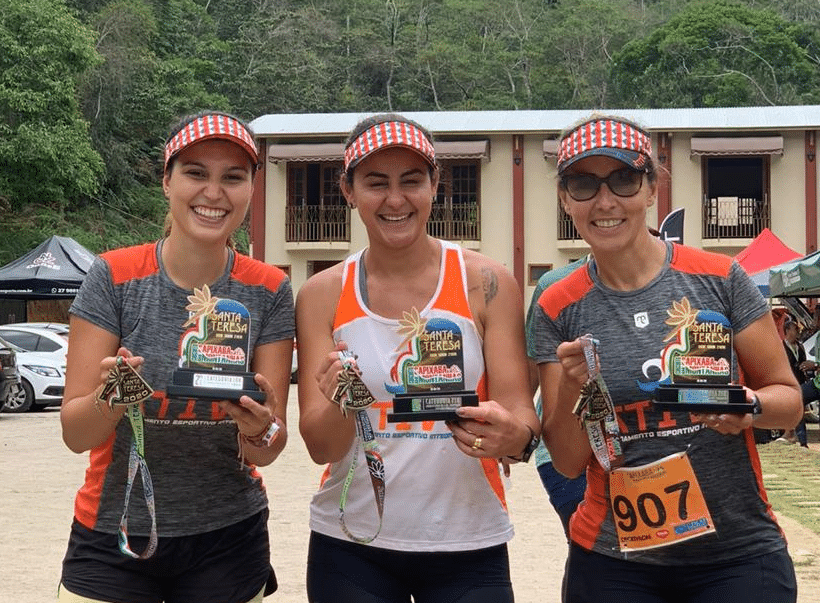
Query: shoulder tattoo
x=489, y=282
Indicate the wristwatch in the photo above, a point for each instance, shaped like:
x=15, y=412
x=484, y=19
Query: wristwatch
x=532, y=444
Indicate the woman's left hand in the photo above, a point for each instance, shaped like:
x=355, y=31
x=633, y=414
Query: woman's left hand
x=725, y=423
x=252, y=417
x=489, y=430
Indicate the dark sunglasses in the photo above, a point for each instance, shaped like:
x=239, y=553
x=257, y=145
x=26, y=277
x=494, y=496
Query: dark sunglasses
x=583, y=187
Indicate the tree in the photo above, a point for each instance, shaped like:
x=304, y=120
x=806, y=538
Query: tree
x=719, y=53
x=45, y=153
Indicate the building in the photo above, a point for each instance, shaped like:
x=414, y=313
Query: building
x=734, y=171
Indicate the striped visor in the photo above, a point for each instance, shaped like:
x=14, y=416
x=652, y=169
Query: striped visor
x=389, y=134
x=212, y=126
x=608, y=137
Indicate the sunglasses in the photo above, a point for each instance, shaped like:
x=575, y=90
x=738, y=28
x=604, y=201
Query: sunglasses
x=583, y=187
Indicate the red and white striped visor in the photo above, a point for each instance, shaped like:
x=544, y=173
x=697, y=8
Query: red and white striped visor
x=609, y=137
x=212, y=126
x=389, y=134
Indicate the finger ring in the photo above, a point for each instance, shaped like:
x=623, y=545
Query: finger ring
x=477, y=443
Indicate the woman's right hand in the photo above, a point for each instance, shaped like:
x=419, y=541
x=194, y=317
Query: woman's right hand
x=573, y=361
x=327, y=377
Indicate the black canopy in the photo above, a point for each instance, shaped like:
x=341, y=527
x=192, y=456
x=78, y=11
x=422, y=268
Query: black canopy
x=54, y=269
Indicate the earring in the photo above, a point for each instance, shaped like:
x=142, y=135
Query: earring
x=351, y=205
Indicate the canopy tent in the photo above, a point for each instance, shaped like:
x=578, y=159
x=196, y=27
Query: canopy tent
x=765, y=251
x=797, y=278
x=55, y=269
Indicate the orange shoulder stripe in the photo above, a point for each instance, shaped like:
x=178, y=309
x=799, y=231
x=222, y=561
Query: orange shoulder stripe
x=348, y=308
x=572, y=288
x=253, y=272
x=128, y=263
x=451, y=298
x=696, y=261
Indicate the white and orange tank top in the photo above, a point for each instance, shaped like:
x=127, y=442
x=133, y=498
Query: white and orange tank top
x=436, y=498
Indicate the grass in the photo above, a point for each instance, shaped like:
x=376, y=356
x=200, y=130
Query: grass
x=791, y=475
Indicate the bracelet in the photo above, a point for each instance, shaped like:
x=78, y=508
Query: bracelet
x=264, y=438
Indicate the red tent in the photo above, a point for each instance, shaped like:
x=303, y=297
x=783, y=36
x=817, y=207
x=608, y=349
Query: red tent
x=764, y=252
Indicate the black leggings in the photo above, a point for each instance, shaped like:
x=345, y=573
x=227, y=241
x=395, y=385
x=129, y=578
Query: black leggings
x=596, y=578
x=345, y=572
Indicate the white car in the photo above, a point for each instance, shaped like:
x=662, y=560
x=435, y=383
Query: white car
x=41, y=359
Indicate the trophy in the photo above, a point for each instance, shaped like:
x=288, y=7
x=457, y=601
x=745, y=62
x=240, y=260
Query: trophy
x=432, y=372
x=214, y=352
x=700, y=366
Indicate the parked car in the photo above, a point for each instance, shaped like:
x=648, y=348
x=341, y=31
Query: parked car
x=9, y=376
x=42, y=382
x=38, y=337
x=41, y=359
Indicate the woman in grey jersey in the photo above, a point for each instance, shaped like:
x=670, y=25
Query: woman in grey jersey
x=173, y=509
x=674, y=508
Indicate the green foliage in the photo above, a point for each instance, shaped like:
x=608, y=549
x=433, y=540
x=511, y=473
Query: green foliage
x=718, y=53
x=45, y=152
x=89, y=88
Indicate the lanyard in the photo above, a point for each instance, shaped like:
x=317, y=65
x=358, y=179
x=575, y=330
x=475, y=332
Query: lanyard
x=136, y=462
x=375, y=464
x=126, y=387
x=597, y=412
x=352, y=394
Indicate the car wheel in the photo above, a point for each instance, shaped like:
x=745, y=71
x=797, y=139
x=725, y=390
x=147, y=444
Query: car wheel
x=20, y=398
x=812, y=414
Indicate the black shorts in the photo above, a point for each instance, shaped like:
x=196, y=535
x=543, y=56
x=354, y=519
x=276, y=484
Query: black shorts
x=339, y=571
x=595, y=578
x=228, y=565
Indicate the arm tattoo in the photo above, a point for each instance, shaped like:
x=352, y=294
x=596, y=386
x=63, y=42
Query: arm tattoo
x=490, y=284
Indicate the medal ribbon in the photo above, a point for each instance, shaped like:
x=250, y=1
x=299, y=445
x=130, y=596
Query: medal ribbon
x=126, y=387
x=375, y=464
x=136, y=462
x=352, y=394
x=597, y=412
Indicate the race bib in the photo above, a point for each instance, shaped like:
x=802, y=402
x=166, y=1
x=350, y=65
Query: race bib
x=658, y=504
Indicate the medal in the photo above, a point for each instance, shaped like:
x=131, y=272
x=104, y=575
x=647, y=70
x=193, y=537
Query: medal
x=351, y=393
x=596, y=412
x=124, y=386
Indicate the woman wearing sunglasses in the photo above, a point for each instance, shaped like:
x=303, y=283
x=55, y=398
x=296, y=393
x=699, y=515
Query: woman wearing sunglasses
x=675, y=508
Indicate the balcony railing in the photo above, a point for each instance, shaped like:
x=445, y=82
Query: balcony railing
x=455, y=222
x=312, y=223
x=566, y=229
x=734, y=217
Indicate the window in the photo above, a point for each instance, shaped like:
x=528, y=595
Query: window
x=316, y=209
x=456, y=212
x=317, y=266
x=736, y=197
x=536, y=271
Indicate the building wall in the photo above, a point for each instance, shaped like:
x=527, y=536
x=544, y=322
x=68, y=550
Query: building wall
x=787, y=178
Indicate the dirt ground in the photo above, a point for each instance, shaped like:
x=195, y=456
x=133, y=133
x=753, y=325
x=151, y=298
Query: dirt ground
x=39, y=477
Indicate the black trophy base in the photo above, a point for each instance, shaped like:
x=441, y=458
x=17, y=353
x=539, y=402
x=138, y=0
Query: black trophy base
x=430, y=406
x=702, y=397
x=204, y=384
